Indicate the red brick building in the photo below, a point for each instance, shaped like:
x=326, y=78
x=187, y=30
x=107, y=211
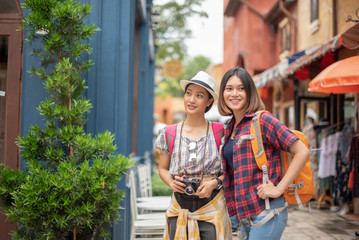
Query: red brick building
x=256, y=37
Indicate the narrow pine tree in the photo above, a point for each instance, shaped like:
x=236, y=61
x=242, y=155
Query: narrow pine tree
x=68, y=190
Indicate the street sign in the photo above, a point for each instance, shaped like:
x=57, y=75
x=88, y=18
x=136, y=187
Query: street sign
x=173, y=68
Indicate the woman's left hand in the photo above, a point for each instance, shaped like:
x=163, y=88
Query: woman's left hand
x=206, y=188
x=266, y=190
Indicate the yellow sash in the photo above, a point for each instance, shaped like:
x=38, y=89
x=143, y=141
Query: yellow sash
x=214, y=212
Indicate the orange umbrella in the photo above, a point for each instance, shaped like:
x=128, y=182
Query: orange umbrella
x=340, y=77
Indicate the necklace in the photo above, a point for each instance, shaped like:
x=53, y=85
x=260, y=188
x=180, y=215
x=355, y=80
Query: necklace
x=204, y=153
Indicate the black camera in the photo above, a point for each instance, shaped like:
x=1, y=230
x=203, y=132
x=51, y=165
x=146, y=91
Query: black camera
x=191, y=185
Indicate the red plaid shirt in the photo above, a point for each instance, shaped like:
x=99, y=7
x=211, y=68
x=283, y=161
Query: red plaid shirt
x=241, y=184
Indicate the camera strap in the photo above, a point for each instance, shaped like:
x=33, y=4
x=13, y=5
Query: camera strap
x=204, y=150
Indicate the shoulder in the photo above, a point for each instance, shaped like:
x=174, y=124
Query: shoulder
x=271, y=124
x=267, y=118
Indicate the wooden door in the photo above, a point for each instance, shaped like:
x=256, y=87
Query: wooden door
x=11, y=44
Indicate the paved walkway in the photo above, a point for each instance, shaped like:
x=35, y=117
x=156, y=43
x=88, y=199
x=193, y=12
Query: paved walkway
x=318, y=224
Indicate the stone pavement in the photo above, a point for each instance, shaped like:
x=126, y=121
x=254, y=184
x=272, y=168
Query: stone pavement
x=305, y=224
x=318, y=224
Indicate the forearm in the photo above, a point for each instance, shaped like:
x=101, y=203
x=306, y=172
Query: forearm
x=166, y=176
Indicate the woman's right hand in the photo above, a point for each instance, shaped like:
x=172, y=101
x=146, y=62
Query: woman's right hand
x=177, y=185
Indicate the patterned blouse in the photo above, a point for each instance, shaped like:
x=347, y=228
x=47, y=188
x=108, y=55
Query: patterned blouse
x=192, y=154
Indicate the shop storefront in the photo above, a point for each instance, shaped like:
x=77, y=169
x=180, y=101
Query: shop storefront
x=288, y=82
x=329, y=117
x=336, y=108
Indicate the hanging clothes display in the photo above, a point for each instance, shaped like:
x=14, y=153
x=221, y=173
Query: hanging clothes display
x=329, y=146
x=324, y=183
x=341, y=192
x=354, y=163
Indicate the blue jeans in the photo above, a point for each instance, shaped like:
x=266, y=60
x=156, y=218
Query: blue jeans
x=234, y=222
x=272, y=230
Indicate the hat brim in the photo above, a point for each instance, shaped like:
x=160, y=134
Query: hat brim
x=184, y=84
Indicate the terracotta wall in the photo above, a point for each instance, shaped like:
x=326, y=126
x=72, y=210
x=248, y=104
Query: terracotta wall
x=248, y=35
x=166, y=108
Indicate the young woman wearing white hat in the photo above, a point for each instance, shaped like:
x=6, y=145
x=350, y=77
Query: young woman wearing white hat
x=192, y=168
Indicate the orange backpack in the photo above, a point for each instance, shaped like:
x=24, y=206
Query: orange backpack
x=302, y=189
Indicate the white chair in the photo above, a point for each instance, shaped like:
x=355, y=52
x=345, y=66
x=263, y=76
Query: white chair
x=144, y=226
x=144, y=178
x=146, y=202
x=147, y=205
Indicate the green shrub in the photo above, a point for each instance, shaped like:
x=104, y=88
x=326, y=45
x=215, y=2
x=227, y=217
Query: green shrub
x=69, y=188
x=159, y=188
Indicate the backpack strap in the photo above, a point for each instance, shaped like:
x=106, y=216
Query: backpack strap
x=268, y=215
x=170, y=132
x=257, y=143
x=218, y=132
x=260, y=156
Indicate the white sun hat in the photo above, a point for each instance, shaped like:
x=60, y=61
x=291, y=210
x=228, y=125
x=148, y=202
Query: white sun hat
x=204, y=80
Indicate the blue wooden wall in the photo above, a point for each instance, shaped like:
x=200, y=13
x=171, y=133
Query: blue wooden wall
x=110, y=84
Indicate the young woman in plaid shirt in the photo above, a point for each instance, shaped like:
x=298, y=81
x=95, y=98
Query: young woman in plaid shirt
x=202, y=215
x=244, y=189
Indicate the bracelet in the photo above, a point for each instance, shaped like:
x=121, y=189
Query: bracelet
x=219, y=186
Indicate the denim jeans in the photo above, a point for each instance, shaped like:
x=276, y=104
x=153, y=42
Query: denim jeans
x=272, y=230
x=234, y=222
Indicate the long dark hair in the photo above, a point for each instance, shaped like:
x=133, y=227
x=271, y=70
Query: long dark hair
x=254, y=102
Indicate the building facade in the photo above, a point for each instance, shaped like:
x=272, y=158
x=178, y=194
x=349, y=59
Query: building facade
x=120, y=85
x=283, y=45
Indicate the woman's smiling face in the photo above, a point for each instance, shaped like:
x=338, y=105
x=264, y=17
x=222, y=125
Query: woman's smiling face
x=234, y=95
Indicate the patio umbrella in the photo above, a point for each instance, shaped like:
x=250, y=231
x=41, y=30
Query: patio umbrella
x=340, y=77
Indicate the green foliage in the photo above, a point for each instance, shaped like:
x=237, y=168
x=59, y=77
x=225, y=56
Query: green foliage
x=173, y=29
x=170, y=34
x=49, y=204
x=171, y=87
x=159, y=187
x=193, y=65
x=69, y=189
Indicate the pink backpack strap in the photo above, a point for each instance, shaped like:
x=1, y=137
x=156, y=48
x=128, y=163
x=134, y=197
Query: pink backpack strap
x=218, y=132
x=170, y=132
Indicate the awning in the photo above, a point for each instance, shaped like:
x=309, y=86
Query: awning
x=278, y=71
x=349, y=39
x=314, y=54
x=298, y=62
x=270, y=74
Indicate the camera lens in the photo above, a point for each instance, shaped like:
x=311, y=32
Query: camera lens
x=189, y=190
